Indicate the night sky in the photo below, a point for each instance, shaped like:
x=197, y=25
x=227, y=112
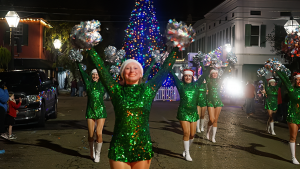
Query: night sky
x=118, y=11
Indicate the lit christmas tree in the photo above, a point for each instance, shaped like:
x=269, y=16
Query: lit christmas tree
x=143, y=35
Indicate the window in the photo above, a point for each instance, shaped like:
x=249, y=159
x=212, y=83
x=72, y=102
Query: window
x=232, y=15
x=209, y=27
x=220, y=21
x=255, y=35
x=214, y=24
x=18, y=30
x=255, y=12
x=285, y=14
x=21, y=33
x=226, y=18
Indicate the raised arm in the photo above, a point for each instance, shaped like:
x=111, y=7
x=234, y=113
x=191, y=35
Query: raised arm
x=86, y=78
x=178, y=83
x=147, y=73
x=265, y=83
x=285, y=81
x=162, y=74
x=105, y=77
x=204, y=74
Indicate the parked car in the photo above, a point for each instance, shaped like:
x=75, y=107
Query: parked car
x=38, y=94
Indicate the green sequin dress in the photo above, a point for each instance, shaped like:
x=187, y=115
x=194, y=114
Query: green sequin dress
x=214, y=87
x=131, y=140
x=272, y=95
x=294, y=95
x=202, y=102
x=187, y=110
x=213, y=96
x=95, y=91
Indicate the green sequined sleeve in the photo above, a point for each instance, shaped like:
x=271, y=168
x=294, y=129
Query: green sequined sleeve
x=265, y=83
x=147, y=72
x=85, y=77
x=204, y=75
x=177, y=82
x=162, y=74
x=105, y=77
x=285, y=81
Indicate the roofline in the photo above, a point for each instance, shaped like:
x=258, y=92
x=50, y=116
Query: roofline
x=43, y=21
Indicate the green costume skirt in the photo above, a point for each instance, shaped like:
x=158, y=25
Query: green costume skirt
x=202, y=102
x=271, y=103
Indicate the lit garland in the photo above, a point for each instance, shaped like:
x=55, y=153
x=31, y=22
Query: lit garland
x=44, y=22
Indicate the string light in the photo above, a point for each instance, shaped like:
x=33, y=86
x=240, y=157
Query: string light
x=35, y=20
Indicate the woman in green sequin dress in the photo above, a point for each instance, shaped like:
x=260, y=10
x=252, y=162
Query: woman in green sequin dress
x=271, y=105
x=131, y=145
x=214, y=102
x=95, y=111
x=293, y=117
x=201, y=106
x=187, y=111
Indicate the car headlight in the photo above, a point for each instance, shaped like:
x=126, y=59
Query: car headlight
x=33, y=98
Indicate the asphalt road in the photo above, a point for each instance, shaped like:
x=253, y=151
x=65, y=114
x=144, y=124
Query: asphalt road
x=241, y=143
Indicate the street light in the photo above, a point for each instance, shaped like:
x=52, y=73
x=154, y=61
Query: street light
x=57, y=44
x=228, y=47
x=291, y=26
x=12, y=19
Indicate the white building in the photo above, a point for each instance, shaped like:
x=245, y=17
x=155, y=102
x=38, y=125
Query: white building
x=244, y=24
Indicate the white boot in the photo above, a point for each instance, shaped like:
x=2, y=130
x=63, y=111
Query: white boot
x=190, y=142
x=92, y=149
x=98, y=151
x=208, y=132
x=198, y=126
x=202, y=124
x=186, y=145
x=272, y=128
x=293, y=151
x=213, y=138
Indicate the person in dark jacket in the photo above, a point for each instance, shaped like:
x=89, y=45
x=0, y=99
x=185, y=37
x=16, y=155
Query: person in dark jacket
x=3, y=106
x=73, y=87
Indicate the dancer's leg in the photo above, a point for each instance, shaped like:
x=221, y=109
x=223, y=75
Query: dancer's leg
x=119, y=165
x=293, y=128
x=91, y=126
x=198, y=121
x=141, y=164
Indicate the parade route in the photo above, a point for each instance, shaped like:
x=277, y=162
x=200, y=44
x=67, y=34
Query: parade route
x=242, y=142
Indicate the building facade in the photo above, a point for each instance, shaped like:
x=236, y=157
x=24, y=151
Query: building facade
x=33, y=55
x=244, y=24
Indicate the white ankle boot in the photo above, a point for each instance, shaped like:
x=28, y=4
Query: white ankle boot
x=187, y=150
x=92, y=149
x=202, y=124
x=293, y=151
x=213, y=138
x=190, y=142
x=198, y=126
x=208, y=132
x=272, y=128
x=97, y=152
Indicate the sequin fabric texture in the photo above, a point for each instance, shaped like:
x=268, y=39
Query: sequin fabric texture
x=294, y=95
x=213, y=96
x=95, y=91
x=131, y=139
x=272, y=95
x=202, y=102
x=189, y=93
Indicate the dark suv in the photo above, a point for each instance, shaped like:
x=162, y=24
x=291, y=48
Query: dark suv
x=39, y=96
